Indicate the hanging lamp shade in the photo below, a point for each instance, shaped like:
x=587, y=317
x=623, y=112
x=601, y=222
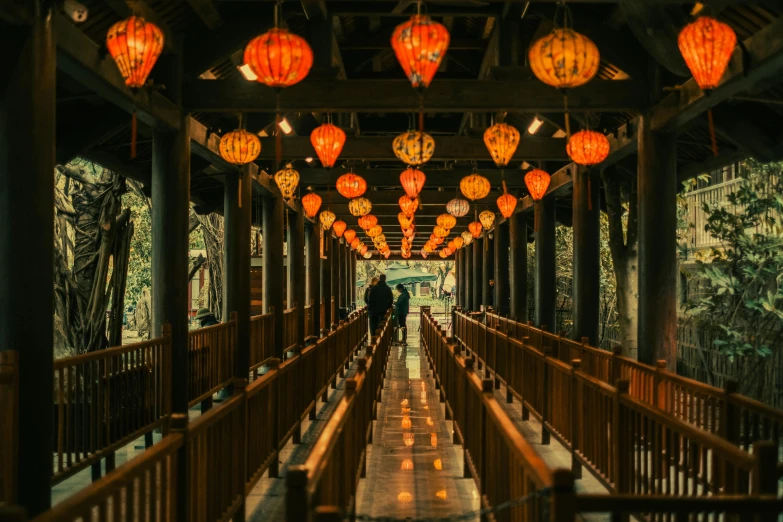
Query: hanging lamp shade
x=412, y=181
x=279, y=58
x=707, y=45
x=429, y=247
x=588, y=147
x=474, y=186
x=424, y=254
x=406, y=244
x=311, y=203
x=487, y=219
x=379, y=239
x=351, y=185
x=328, y=141
x=537, y=181
x=440, y=231
x=367, y=221
x=239, y=147
x=355, y=243
x=420, y=45
x=564, y=58
x=135, y=44
x=408, y=205
x=475, y=229
x=375, y=231
x=452, y=245
x=457, y=207
x=414, y=147
x=359, y=206
x=444, y=253
x=409, y=232
x=458, y=242
x=287, y=180
x=367, y=255
x=326, y=218
x=467, y=237
x=363, y=250
x=506, y=204
x=437, y=240
x=405, y=220
x=406, y=254
x=446, y=221
x=349, y=235
x=339, y=227
x=501, y=140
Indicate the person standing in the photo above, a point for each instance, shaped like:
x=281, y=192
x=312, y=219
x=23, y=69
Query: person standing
x=373, y=282
x=379, y=301
x=206, y=318
x=401, y=309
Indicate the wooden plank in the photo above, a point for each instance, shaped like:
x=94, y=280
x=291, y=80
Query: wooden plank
x=207, y=13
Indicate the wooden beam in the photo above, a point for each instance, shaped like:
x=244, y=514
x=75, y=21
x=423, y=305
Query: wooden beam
x=206, y=11
x=397, y=96
x=17, y=12
x=390, y=177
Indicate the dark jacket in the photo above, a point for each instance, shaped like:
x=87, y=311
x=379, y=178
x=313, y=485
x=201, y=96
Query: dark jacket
x=402, y=306
x=367, y=294
x=381, y=299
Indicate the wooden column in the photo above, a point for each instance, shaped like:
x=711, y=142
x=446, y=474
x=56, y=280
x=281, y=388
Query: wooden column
x=502, y=278
x=313, y=271
x=27, y=159
x=273, y=269
x=326, y=279
x=478, y=273
x=457, y=276
x=236, y=258
x=296, y=269
x=467, y=280
x=586, y=222
x=354, y=259
x=334, y=255
x=517, y=259
x=657, y=193
x=545, y=284
x=488, y=266
x=347, y=252
x=340, y=294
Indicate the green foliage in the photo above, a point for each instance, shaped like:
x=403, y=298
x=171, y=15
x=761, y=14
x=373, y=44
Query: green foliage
x=139, y=262
x=743, y=303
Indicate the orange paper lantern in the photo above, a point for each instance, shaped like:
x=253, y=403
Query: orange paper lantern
x=409, y=233
x=487, y=219
x=501, y=140
x=239, y=147
x=406, y=254
x=355, y=243
x=420, y=45
x=457, y=207
x=475, y=186
x=440, y=231
x=351, y=185
x=408, y=205
x=507, y=203
x=437, y=240
x=311, y=203
x=405, y=221
x=458, y=242
x=377, y=230
x=707, y=45
x=135, y=44
x=447, y=221
x=279, y=58
x=537, y=181
x=444, y=253
x=359, y=206
x=368, y=221
x=349, y=235
x=564, y=58
x=588, y=147
x=452, y=245
x=339, y=228
x=327, y=218
x=328, y=141
x=412, y=181
x=475, y=229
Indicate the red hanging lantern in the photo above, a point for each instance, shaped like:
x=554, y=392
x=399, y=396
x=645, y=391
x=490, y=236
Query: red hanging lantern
x=328, y=141
x=408, y=205
x=339, y=228
x=420, y=45
x=311, y=203
x=351, y=185
x=355, y=243
x=446, y=221
x=444, y=253
x=412, y=181
x=405, y=221
x=588, y=147
x=475, y=229
x=458, y=242
x=452, y=245
x=363, y=251
x=409, y=233
x=506, y=203
x=537, y=181
x=135, y=44
x=501, y=140
x=349, y=235
x=279, y=58
x=406, y=254
x=437, y=240
x=368, y=221
x=707, y=45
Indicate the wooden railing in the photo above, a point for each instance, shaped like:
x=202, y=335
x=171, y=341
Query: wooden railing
x=331, y=472
x=309, y=321
x=103, y=400
x=9, y=416
x=211, y=351
x=290, y=327
x=262, y=341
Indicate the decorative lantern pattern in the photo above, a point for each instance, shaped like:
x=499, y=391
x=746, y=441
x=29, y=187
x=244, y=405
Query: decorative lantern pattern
x=367, y=221
x=458, y=242
x=367, y=255
x=474, y=187
x=452, y=245
x=279, y=58
x=420, y=45
x=409, y=232
x=135, y=44
x=457, y=207
x=355, y=243
x=412, y=181
x=501, y=140
x=507, y=203
x=467, y=237
x=351, y=185
x=440, y=231
x=487, y=219
x=475, y=229
x=359, y=206
x=311, y=203
x=447, y=221
x=707, y=45
x=405, y=221
x=564, y=58
x=406, y=254
x=239, y=147
x=537, y=181
x=349, y=235
x=287, y=180
x=406, y=244
x=328, y=141
x=375, y=231
x=408, y=205
x=437, y=240
x=429, y=247
x=414, y=147
x=339, y=227
x=379, y=239
x=444, y=253
x=327, y=218
x=588, y=147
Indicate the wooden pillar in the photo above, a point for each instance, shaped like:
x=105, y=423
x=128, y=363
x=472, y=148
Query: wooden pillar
x=502, y=277
x=353, y=279
x=545, y=284
x=27, y=159
x=657, y=193
x=346, y=270
x=517, y=259
x=467, y=280
x=273, y=269
x=488, y=266
x=586, y=222
x=313, y=286
x=236, y=255
x=334, y=255
x=326, y=279
x=457, y=276
x=478, y=273
x=296, y=270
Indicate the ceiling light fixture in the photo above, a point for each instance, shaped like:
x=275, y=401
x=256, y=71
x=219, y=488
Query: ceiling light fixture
x=247, y=72
x=533, y=128
x=285, y=126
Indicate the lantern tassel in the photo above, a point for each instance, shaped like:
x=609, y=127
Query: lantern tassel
x=133, y=135
x=713, y=139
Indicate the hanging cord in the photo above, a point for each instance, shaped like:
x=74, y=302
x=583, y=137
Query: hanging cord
x=589, y=192
x=713, y=138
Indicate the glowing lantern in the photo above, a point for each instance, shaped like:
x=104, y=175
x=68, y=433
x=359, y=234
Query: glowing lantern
x=359, y=206
x=487, y=219
x=326, y=218
x=507, y=203
x=501, y=140
x=328, y=141
x=707, y=45
x=452, y=245
x=424, y=254
x=349, y=235
x=363, y=251
x=457, y=207
x=406, y=254
x=588, y=147
x=458, y=242
x=239, y=147
x=406, y=244
x=564, y=58
x=287, y=180
x=339, y=228
x=311, y=203
x=367, y=255
x=420, y=45
x=355, y=243
x=279, y=58
x=412, y=181
x=351, y=185
x=405, y=221
x=380, y=239
x=444, y=253
x=475, y=229
x=467, y=237
x=474, y=187
x=409, y=233
x=436, y=239
x=440, y=231
x=414, y=147
x=367, y=221
x=537, y=181
x=375, y=231
x=408, y=205
x=387, y=254
x=135, y=44
x=447, y=221
x=429, y=247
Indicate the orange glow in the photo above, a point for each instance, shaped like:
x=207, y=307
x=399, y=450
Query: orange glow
x=474, y=186
x=287, y=180
x=367, y=221
x=407, y=465
x=588, y=147
x=475, y=229
x=707, y=46
x=349, y=235
x=447, y=221
x=239, y=147
x=327, y=219
x=351, y=185
x=442, y=494
x=420, y=45
x=339, y=228
x=501, y=141
x=406, y=423
x=438, y=464
x=434, y=440
x=507, y=203
x=564, y=59
x=135, y=44
x=405, y=220
x=311, y=203
x=487, y=219
x=408, y=205
x=440, y=231
x=412, y=181
x=328, y=141
x=429, y=422
x=355, y=243
x=375, y=231
x=405, y=497
x=279, y=58
x=537, y=181
x=406, y=254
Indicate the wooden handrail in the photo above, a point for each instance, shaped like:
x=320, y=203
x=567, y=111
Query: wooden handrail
x=211, y=350
x=262, y=341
